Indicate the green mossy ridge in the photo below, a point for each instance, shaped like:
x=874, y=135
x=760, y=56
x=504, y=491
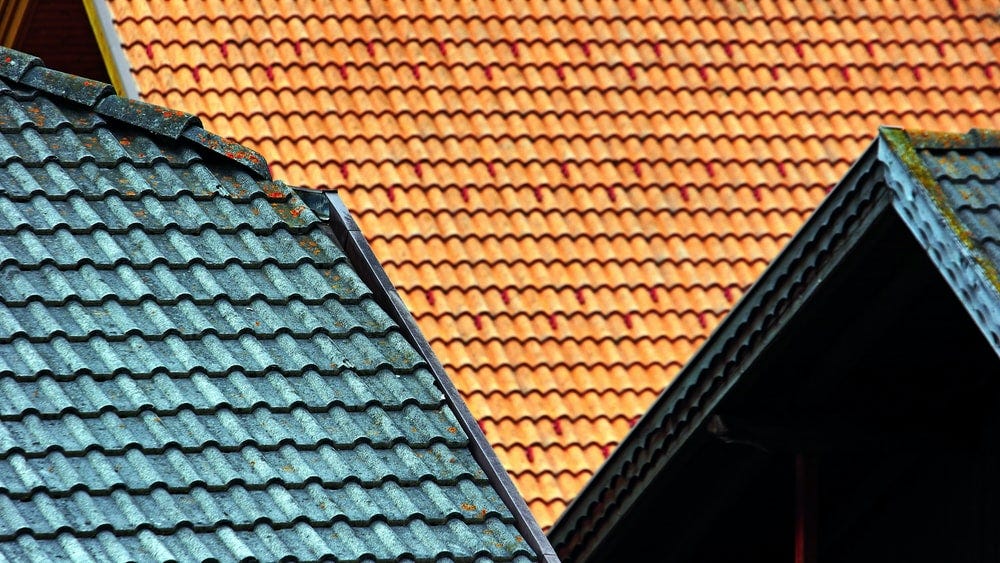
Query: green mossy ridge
x=904, y=144
x=977, y=139
x=935, y=140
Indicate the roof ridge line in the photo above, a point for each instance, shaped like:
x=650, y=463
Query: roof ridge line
x=974, y=138
x=27, y=70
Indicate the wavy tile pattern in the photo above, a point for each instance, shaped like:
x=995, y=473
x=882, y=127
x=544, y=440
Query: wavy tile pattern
x=569, y=194
x=190, y=368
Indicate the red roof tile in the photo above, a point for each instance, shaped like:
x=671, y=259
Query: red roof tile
x=570, y=194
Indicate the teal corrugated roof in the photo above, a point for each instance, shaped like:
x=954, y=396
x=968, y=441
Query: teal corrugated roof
x=191, y=368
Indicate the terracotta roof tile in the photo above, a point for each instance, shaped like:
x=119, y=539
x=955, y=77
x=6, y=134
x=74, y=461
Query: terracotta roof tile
x=571, y=194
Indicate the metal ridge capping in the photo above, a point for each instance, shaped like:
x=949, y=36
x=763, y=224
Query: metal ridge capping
x=349, y=235
x=22, y=68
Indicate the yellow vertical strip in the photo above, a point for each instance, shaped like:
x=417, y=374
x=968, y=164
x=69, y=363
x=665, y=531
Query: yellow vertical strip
x=102, y=43
x=7, y=23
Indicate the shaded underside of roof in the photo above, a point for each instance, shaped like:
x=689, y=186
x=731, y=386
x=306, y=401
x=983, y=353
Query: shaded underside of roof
x=944, y=188
x=946, y=191
x=570, y=195
x=191, y=368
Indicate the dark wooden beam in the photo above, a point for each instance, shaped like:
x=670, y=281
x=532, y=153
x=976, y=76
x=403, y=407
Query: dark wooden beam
x=15, y=15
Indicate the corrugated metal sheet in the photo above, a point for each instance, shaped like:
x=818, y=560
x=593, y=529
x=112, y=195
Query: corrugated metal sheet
x=190, y=368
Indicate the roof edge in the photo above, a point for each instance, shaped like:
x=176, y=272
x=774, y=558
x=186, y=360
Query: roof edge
x=22, y=69
x=920, y=202
x=361, y=255
x=791, y=278
x=111, y=51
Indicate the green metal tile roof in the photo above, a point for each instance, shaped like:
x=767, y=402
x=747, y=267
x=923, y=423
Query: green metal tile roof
x=191, y=367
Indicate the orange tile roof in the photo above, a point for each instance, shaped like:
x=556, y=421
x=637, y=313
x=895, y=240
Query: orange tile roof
x=569, y=194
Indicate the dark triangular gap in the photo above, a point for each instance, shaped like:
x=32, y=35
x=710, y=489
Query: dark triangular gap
x=59, y=32
x=887, y=381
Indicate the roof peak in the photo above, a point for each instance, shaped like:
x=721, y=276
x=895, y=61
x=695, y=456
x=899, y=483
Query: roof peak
x=22, y=69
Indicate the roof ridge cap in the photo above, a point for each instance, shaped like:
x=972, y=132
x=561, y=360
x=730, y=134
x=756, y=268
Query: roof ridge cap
x=27, y=70
x=974, y=138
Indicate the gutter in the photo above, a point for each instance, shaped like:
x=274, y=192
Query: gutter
x=348, y=234
x=111, y=51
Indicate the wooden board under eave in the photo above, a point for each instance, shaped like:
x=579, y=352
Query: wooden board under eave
x=13, y=14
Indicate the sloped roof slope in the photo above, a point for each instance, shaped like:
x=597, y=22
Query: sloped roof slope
x=569, y=194
x=944, y=187
x=192, y=369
